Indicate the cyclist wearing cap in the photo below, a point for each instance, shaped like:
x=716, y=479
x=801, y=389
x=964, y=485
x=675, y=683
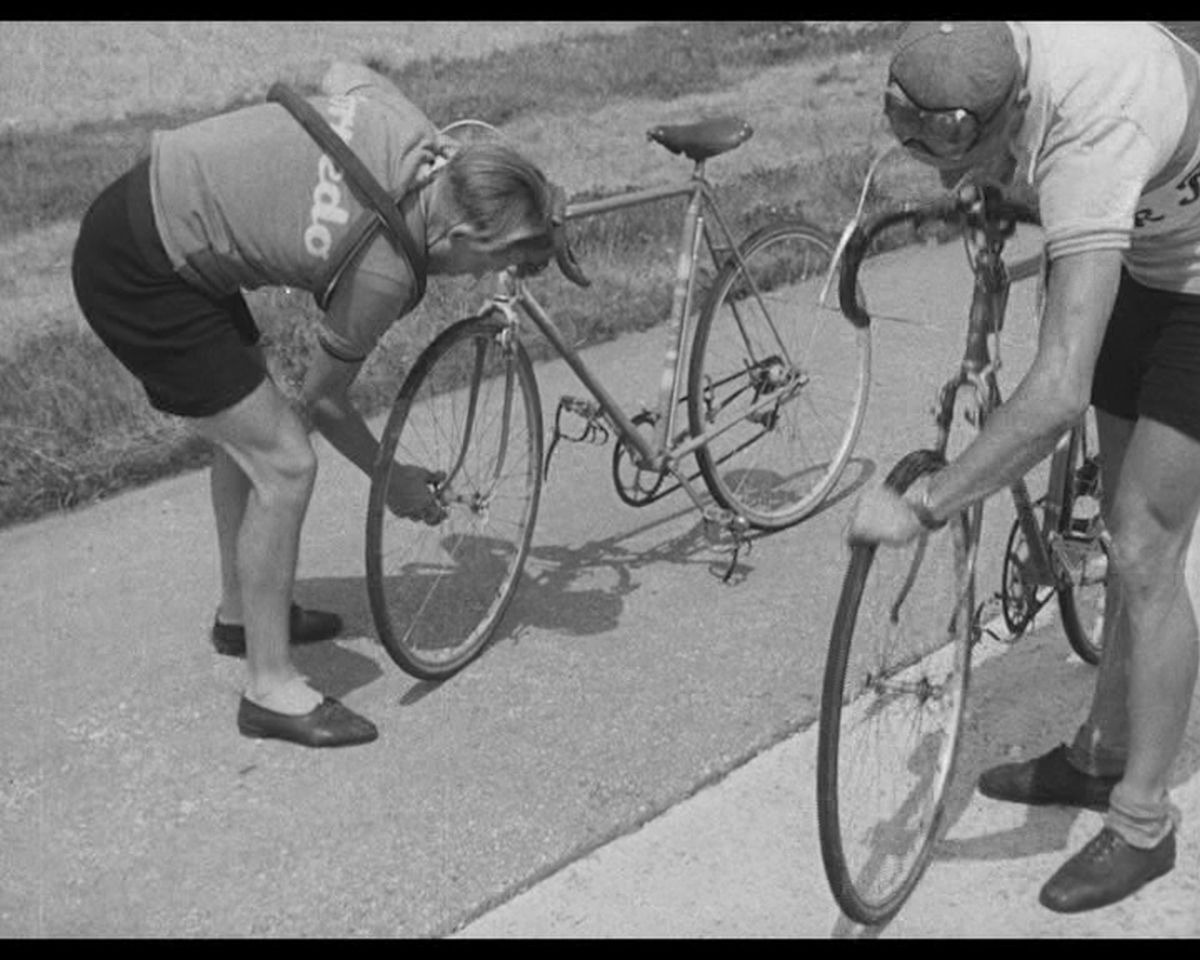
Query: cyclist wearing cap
x=248, y=199
x=1103, y=122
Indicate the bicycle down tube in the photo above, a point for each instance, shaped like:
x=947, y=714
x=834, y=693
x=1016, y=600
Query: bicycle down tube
x=989, y=302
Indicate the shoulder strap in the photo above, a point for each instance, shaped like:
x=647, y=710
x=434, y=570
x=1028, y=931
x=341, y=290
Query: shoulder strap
x=369, y=191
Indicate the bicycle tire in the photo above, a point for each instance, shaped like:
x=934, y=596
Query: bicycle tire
x=438, y=593
x=776, y=467
x=874, y=856
x=1081, y=587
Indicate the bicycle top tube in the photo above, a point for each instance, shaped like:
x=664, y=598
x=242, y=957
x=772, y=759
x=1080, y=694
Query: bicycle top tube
x=635, y=198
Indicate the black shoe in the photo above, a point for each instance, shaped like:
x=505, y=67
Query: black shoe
x=1045, y=780
x=1108, y=869
x=329, y=724
x=307, y=626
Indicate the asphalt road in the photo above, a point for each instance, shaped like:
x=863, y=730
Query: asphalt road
x=631, y=689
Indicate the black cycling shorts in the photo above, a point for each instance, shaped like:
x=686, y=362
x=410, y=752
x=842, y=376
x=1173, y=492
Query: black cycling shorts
x=192, y=353
x=1149, y=364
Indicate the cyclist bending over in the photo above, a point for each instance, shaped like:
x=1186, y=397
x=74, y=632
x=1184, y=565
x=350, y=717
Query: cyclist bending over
x=248, y=199
x=1103, y=121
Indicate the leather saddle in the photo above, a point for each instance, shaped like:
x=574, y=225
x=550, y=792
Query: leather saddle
x=700, y=141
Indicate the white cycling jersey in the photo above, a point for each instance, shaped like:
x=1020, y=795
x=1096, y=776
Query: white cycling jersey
x=1111, y=144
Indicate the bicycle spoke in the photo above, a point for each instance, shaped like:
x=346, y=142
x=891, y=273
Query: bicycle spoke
x=762, y=340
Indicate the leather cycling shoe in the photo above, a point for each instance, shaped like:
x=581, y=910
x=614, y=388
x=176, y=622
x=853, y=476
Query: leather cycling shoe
x=329, y=724
x=307, y=626
x=1108, y=869
x=1048, y=779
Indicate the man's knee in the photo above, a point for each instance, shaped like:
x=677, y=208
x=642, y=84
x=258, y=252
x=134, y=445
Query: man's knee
x=1146, y=552
x=282, y=473
x=266, y=439
x=291, y=468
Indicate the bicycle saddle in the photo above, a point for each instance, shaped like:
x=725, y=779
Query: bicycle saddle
x=708, y=138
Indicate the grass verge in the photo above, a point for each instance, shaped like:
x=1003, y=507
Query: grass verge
x=75, y=426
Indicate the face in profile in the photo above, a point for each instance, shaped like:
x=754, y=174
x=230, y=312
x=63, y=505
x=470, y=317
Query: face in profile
x=465, y=254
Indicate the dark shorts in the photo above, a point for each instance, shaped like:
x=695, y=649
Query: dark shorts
x=193, y=354
x=1149, y=364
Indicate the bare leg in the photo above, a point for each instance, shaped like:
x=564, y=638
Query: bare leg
x=266, y=441
x=229, y=488
x=1154, y=513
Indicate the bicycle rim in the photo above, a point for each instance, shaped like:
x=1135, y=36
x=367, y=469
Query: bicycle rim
x=1082, y=561
x=438, y=593
x=894, y=694
x=764, y=339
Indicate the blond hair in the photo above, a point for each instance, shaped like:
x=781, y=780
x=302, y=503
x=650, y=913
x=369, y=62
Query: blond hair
x=499, y=192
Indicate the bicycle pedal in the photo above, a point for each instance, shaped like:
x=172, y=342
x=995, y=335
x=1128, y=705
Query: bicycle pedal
x=580, y=406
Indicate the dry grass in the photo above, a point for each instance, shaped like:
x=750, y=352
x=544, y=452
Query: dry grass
x=815, y=122
x=801, y=117
x=58, y=73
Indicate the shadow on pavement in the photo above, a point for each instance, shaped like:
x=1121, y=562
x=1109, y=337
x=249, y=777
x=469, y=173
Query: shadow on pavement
x=1023, y=702
x=336, y=669
x=550, y=597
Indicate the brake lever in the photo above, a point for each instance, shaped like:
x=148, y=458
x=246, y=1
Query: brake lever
x=564, y=256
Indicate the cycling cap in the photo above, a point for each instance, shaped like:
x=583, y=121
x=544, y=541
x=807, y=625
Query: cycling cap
x=969, y=65
x=948, y=82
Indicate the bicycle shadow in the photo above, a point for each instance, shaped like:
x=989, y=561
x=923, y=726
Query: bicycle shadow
x=570, y=591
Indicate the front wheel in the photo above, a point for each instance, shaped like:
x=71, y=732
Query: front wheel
x=469, y=411
x=777, y=382
x=894, y=693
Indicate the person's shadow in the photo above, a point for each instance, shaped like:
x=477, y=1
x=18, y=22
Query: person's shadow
x=337, y=669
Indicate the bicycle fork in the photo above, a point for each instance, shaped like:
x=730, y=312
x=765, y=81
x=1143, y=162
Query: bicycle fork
x=480, y=500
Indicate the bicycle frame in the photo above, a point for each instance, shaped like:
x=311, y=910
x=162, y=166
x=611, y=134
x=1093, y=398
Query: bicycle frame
x=662, y=452
x=978, y=372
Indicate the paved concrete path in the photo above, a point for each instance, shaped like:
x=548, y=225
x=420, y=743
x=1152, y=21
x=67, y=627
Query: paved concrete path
x=741, y=858
x=634, y=751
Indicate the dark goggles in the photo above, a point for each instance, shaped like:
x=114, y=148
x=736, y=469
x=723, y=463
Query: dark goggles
x=948, y=134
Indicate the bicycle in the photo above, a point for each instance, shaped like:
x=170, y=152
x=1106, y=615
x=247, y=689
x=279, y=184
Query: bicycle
x=898, y=664
x=775, y=396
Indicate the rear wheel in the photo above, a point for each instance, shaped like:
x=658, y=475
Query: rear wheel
x=777, y=381
x=1079, y=551
x=892, y=704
